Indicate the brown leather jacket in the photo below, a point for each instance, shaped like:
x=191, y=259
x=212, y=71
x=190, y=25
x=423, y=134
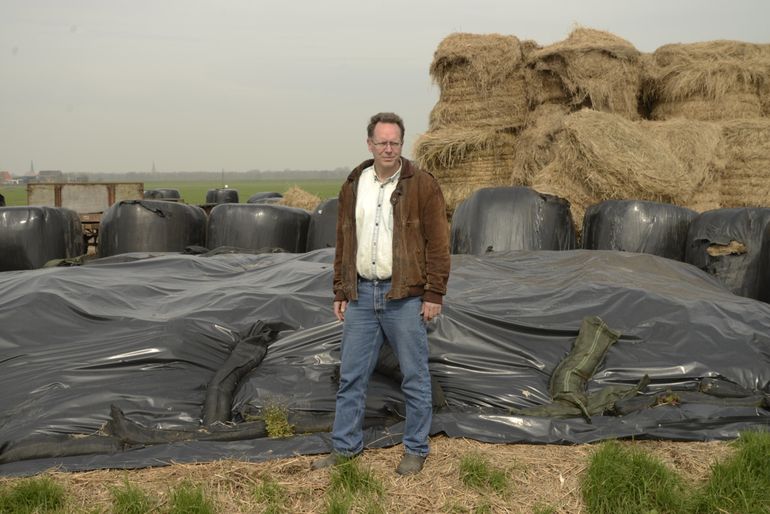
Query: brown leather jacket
x=421, y=257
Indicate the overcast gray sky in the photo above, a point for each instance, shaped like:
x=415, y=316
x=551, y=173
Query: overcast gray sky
x=113, y=85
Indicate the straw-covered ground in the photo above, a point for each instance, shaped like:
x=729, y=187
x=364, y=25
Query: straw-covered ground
x=541, y=478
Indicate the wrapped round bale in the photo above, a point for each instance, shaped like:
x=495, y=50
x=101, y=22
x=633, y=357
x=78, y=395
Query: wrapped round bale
x=258, y=227
x=265, y=197
x=31, y=236
x=322, y=232
x=727, y=243
x=170, y=195
x=222, y=195
x=764, y=267
x=638, y=226
x=150, y=226
x=511, y=218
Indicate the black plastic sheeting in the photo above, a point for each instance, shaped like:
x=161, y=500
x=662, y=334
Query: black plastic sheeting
x=638, y=226
x=258, y=226
x=727, y=243
x=144, y=337
x=32, y=236
x=150, y=226
x=511, y=218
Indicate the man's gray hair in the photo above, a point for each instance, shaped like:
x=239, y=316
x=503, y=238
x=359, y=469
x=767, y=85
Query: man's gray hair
x=384, y=117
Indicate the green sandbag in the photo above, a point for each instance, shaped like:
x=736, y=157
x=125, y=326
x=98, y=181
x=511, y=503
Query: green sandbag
x=568, y=381
x=596, y=404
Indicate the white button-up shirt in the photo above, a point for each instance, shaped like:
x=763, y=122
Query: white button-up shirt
x=374, y=225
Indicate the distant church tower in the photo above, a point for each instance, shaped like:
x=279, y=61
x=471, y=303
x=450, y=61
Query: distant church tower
x=153, y=168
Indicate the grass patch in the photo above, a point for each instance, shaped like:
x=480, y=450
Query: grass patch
x=190, y=499
x=338, y=502
x=477, y=473
x=31, y=496
x=353, y=488
x=271, y=496
x=740, y=484
x=624, y=480
x=130, y=499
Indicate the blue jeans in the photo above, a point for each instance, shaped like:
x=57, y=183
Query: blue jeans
x=369, y=321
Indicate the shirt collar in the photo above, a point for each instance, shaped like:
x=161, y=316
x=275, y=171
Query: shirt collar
x=392, y=178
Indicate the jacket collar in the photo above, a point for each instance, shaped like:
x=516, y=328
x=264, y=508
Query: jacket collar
x=407, y=169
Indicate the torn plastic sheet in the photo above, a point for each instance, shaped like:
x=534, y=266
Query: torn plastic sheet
x=727, y=243
x=148, y=334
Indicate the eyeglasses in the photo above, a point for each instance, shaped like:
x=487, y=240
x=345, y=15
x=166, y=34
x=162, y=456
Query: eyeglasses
x=381, y=145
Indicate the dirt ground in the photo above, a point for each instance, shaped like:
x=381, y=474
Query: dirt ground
x=540, y=477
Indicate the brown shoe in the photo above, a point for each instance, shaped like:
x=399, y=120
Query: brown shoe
x=331, y=460
x=411, y=464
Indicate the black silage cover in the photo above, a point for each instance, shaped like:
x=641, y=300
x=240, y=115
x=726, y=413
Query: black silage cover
x=148, y=334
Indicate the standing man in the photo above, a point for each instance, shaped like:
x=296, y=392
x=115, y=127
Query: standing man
x=391, y=268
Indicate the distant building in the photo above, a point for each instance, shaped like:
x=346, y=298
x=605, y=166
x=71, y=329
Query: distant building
x=5, y=177
x=50, y=176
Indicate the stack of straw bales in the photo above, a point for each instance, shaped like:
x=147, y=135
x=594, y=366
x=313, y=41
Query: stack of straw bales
x=590, y=68
x=746, y=178
x=726, y=83
x=600, y=156
x=713, y=80
x=688, y=124
x=481, y=82
x=483, y=103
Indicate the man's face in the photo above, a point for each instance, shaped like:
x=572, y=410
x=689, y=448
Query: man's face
x=385, y=145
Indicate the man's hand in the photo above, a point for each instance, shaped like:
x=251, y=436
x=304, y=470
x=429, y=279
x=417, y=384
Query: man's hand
x=430, y=310
x=339, y=309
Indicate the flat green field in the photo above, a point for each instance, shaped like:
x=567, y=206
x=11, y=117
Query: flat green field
x=14, y=195
x=195, y=192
